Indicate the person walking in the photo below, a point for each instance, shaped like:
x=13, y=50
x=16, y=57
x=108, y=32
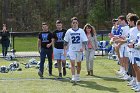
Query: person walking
x=75, y=40
x=45, y=42
x=58, y=36
x=91, y=47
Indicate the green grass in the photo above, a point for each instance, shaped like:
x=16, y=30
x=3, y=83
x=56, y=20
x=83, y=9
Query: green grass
x=30, y=43
x=24, y=44
x=27, y=81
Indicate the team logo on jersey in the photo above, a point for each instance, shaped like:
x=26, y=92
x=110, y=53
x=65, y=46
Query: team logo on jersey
x=45, y=37
x=137, y=39
x=60, y=37
x=128, y=38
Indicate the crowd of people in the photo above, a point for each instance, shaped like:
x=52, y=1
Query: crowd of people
x=72, y=43
x=125, y=39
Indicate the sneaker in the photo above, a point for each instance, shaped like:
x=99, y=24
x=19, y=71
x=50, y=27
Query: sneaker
x=131, y=83
x=40, y=74
x=64, y=71
x=134, y=87
x=119, y=72
x=121, y=75
x=126, y=77
x=137, y=89
x=60, y=75
x=73, y=79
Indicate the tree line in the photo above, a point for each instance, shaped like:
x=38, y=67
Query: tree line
x=27, y=15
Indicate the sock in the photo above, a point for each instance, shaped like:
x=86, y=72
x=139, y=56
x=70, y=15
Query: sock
x=138, y=83
x=77, y=75
x=73, y=76
x=123, y=70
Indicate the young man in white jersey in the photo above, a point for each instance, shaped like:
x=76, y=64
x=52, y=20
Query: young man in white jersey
x=131, y=52
x=75, y=39
x=123, y=46
x=136, y=63
x=115, y=33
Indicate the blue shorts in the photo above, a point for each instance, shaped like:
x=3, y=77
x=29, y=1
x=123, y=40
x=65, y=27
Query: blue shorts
x=59, y=54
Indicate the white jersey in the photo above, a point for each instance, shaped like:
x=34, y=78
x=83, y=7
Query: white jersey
x=75, y=39
x=137, y=42
x=132, y=35
x=125, y=31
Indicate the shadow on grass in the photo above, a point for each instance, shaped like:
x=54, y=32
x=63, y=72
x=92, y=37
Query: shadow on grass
x=94, y=85
x=109, y=78
x=90, y=84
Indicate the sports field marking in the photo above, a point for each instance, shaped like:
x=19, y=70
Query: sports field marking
x=67, y=78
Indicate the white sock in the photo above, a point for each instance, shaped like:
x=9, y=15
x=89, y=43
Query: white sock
x=123, y=70
x=73, y=76
x=138, y=83
x=77, y=75
x=134, y=79
x=120, y=68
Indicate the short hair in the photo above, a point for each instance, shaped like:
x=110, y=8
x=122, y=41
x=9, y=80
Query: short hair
x=74, y=18
x=122, y=17
x=128, y=16
x=138, y=22
x=134, y=18
x=58, y=21
x=44, y=23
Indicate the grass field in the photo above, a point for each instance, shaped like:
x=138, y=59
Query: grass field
x=24, y=44
x=30, y=43
x=27, y=81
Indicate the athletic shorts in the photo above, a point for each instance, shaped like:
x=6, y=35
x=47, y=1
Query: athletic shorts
x=123, y=51
x=76, y=55
x=133, y=56
x=137, y=61
x=59, y=54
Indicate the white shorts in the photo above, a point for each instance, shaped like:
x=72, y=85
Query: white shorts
x=133, y=56
x=59, y=54
x=75, y=55
x=123, y=51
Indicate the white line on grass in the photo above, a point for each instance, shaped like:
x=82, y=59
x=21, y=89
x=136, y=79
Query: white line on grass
x=28, y=79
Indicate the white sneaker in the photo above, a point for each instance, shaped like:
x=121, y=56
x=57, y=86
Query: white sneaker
x=126, y=77
x=134, y=87
x=73, y=79
x=121, y=75
x=131, y=83
x=137, y=89
x=119, y=72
